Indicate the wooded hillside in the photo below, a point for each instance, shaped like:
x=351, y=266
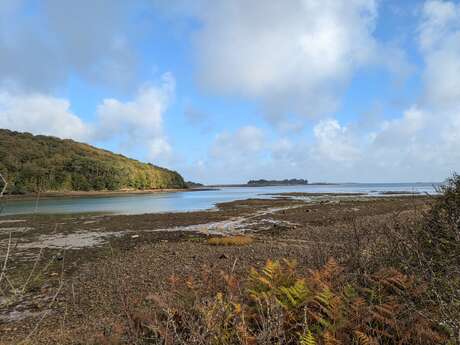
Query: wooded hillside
x=42, y=163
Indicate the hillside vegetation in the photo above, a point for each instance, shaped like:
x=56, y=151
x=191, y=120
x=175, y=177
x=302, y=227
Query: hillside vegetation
x=42, y=163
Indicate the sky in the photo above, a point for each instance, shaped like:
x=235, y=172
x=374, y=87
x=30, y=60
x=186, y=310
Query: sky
x=224, y=91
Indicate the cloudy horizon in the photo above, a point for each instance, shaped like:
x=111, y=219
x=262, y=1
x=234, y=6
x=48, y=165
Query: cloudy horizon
x=227, y=91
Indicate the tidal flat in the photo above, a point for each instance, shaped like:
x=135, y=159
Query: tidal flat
x=71, y=271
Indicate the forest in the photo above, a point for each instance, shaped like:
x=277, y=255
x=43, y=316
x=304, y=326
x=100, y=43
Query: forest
x=48, y=164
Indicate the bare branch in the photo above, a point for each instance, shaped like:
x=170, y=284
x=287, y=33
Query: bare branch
x=5, y=185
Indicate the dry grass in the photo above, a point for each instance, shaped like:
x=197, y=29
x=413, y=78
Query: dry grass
x=230, y=241
x=281, y=304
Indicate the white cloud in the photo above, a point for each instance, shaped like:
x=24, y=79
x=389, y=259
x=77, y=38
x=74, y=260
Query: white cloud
x=160, y=149
x=439, y=19
x=440, y=44
x=43, y=46
x=244, y=142
x=333, y=142
x=233, y=156
x=402, y=130
x=140, y=120
x=430, y=128
x=41, y=114
x=292, y=56
x=135, y=125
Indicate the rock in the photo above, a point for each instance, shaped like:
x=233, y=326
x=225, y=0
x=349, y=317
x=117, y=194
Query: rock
x=223, y=256
x=151, y=297
x=135, y=236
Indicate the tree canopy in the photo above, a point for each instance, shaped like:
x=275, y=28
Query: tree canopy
x=43, y=163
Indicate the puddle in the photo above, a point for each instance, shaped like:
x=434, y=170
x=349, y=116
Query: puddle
x=90, y=221
x=7, y=221
x=18, y=315
x=16, y=229
x=77, y=240
x=27, y=307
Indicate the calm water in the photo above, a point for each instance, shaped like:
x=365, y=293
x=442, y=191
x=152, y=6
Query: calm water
x=191, y=201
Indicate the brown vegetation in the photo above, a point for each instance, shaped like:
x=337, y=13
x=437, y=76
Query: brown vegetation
x=397, y=283
x=230, y=241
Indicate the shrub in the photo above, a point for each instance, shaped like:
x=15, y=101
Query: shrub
x=428, y=247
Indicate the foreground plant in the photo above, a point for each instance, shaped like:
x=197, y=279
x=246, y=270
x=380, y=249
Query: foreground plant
x=280, y=305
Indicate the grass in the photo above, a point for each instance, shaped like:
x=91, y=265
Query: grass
x=239, y=240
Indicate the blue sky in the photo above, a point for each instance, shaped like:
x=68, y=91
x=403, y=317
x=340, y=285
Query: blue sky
x=226, y=91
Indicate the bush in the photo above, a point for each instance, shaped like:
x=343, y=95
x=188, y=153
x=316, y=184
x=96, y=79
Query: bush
x=428, y=247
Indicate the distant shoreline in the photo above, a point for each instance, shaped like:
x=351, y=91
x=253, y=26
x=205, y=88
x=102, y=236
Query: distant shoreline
x=271, y=185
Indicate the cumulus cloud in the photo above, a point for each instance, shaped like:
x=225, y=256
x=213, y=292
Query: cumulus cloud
x=421, y=143
x=427, y=133
x=399, y=131
x=242, y=143
x=233, y=156
x=291, y=56
x=139, y=121
x=333, y=142
x=135, y=124
x=44, y=45
x=440, y=44
x=41, y=114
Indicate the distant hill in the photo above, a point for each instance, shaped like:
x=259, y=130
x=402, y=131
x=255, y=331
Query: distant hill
x=290, y=182
x=42, y=163
x=191, y=184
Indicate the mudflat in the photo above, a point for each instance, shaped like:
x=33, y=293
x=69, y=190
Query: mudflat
x=74, y=271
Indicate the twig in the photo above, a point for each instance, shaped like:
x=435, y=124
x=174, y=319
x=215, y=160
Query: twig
x=32, y=271
x=45, y=314
x=5, y=185
x=234, y=264
x=5, y=262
